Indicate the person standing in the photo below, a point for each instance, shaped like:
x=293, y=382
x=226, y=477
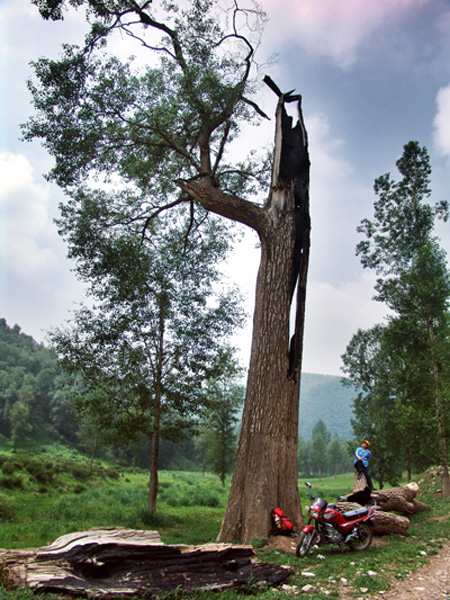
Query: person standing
x=361, y=462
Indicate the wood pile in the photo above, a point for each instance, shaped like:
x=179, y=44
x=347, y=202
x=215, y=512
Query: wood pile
x=391, y=502
x=108, y=563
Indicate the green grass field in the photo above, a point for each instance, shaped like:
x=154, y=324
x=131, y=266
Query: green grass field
x=48, y=496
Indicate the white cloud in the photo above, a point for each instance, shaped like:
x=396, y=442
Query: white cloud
x=25, y=219
x=334, y=28
x=333, y=315
x=441, y=123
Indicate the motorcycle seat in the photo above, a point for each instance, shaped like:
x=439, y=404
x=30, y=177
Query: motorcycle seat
x=355, y=514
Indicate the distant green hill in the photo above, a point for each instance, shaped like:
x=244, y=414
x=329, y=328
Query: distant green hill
x=324, y=397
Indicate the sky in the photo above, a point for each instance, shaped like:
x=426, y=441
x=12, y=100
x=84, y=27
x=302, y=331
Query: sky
x=372, y=75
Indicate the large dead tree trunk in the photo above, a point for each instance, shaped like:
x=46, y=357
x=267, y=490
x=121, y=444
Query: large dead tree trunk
x=399, y=500
x=265, y=473
x=109, y=563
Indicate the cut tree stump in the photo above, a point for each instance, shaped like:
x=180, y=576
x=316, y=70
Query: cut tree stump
x=108, y=563
x=359, y=482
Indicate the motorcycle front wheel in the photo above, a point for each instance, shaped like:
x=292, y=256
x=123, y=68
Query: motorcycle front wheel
x=364, y=537
x=306, y=541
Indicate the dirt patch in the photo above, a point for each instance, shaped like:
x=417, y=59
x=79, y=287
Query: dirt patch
x=440, y=519
x=284, y=543
x=430, y=582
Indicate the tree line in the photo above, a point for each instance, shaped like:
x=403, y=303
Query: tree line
x=324, y=454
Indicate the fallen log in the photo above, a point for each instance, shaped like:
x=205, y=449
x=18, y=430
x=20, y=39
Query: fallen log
x=384, y=523
x=400, y=499
x=388, y=523
x=108, y=563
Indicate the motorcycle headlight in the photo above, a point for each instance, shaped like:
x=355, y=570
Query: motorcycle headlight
x=314, y=514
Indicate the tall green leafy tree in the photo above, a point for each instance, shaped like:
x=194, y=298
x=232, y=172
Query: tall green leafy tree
x=413, y=281
x=368, y=368
x=155, y=331
x=320, y=438
x=338, y=459
x=303, y=459
x=160, y=137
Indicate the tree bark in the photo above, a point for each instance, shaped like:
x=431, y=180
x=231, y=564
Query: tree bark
x=153, y=487
x=120, y=563
x=359, y=482
x=154, y=484
x=265, y=473
x=389, y=524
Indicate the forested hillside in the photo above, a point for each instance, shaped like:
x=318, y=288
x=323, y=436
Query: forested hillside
x=34, y=400
x=324, y=397
x=35, y=405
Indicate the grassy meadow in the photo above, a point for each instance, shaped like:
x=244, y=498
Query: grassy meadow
x=51, y=494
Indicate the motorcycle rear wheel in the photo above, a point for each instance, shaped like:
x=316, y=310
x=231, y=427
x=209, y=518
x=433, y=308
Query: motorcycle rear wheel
x=364, y=538
x=306, y=541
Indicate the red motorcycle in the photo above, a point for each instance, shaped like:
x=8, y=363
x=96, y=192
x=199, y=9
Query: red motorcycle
x=329, y=525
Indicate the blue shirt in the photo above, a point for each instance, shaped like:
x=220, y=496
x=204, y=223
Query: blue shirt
x=365, y=456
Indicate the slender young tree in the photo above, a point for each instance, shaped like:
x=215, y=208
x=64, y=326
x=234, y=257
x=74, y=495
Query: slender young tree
x=162, y=137
x=320, y=438
x=155, y=333
x=413, y=281
x=219, y=424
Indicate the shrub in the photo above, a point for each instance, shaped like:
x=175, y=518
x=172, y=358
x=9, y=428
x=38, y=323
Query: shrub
x=6, y=511
x=11, y=482
x=41, y=472
x=206, y=499
x=195, y=498
x=112, y=474
x=151, y=518
x=9, y=467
